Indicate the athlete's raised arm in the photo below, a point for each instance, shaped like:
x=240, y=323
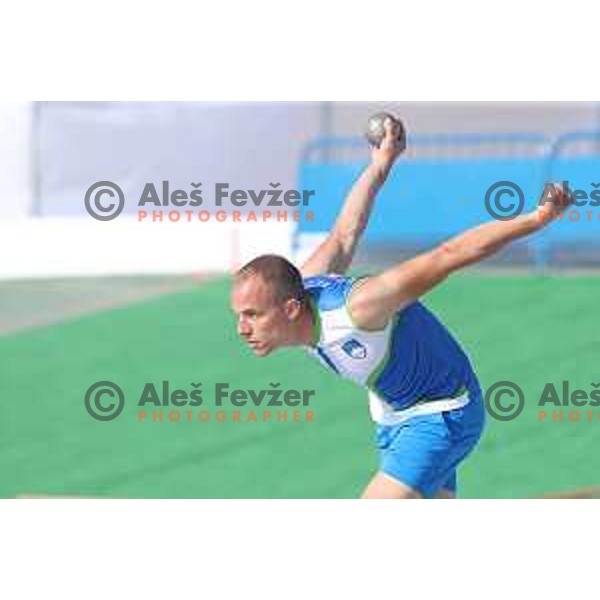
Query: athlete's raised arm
x=335, y=254
x=378, y=298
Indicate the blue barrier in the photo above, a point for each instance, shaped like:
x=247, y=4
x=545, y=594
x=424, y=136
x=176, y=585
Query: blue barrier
x=422, y=200
x=426, y=200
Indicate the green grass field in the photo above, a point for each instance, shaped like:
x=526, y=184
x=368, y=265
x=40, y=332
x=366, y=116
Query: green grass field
x=522, y=328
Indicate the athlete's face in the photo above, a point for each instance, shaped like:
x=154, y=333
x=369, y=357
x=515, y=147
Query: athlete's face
x=263, y=321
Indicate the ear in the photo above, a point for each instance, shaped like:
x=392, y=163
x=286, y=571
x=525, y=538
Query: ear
x=292, y=308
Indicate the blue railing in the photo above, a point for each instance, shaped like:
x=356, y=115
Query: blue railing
x=324, y=143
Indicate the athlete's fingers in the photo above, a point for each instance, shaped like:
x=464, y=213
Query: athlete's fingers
x=392, y=129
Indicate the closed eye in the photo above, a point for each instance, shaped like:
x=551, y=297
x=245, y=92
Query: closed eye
x=250, y=314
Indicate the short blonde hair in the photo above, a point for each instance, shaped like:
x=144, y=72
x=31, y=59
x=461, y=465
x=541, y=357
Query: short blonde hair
x=278, y=271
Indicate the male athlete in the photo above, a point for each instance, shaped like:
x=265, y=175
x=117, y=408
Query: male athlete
x=424, y=395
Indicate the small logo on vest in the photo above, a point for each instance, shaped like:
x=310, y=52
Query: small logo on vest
x=354, y=349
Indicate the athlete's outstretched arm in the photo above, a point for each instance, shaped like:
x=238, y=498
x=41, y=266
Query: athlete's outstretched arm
x=378, y=298
x=335, y=254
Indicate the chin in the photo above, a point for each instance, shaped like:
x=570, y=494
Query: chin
x=260, y=352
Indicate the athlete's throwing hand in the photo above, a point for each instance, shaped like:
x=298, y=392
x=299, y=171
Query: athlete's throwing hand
x=391, y=146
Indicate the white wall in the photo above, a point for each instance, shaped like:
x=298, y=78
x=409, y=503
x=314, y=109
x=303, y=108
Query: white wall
x=247, y=145
x=43, y=247
x=15, y=158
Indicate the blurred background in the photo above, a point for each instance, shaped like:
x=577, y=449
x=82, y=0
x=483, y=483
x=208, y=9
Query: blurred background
x=132, y=302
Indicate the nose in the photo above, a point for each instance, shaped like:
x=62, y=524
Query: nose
x=243, y=327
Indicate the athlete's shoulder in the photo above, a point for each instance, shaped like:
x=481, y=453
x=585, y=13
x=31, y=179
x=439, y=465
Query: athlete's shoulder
x=328, y=291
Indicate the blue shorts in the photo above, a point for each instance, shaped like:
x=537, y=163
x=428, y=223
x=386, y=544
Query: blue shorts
x=424, y=451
